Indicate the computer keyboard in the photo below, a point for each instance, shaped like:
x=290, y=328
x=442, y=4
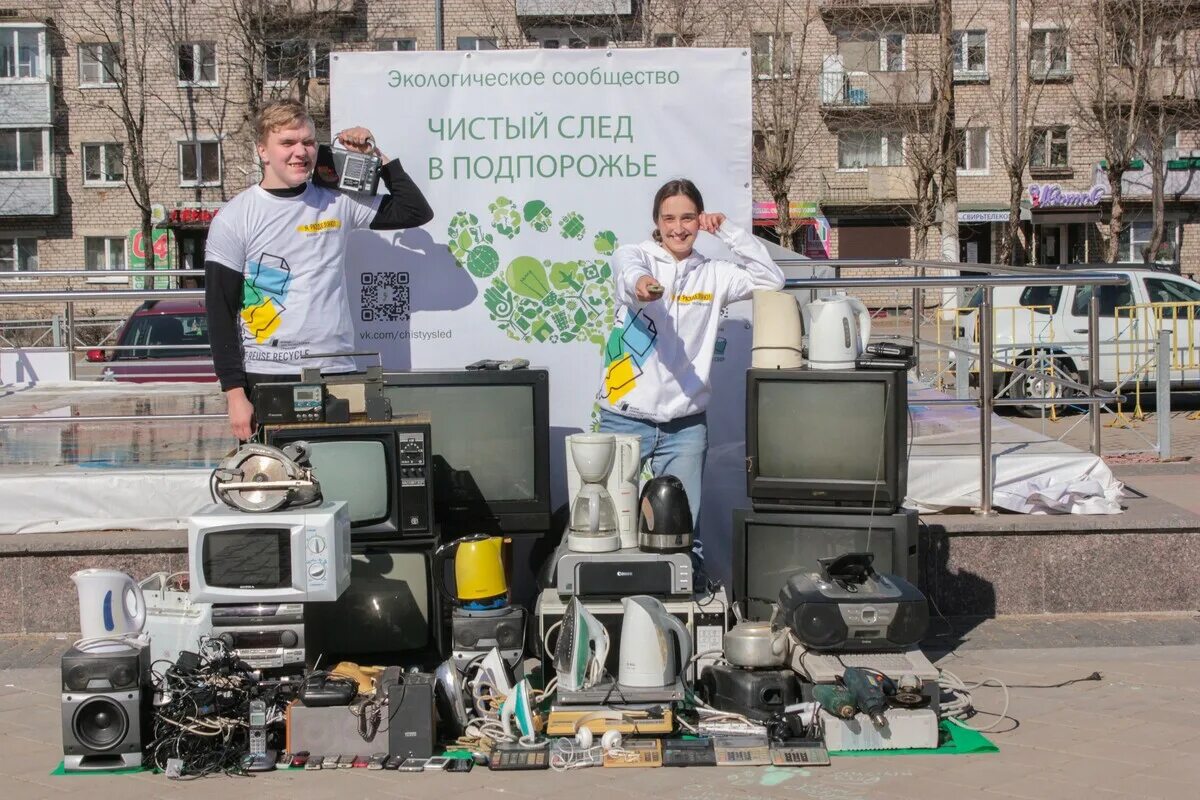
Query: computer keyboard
x=827, y=667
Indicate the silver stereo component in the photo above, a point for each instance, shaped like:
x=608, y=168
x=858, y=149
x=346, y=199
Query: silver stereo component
x=622, y=573
x=475, y=633
x=264, y=635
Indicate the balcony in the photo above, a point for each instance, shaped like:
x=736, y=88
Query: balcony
x=1174, y=85
x=25, y=104
x=872, y=185
x=573, y=8
x=914, y=16
x=1182, y=178
x=864, y=90
x=291, y=9
x=28, y=196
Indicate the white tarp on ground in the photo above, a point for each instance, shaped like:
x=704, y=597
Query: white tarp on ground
x=1032, y=473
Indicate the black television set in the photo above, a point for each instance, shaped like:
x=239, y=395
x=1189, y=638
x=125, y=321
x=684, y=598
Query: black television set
x=390, y=614
x=826, y=440
x=491, y=445
x=381, y=469
x=768, y=548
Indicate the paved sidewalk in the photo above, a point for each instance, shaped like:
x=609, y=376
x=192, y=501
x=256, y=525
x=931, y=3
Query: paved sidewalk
x=1133, y=734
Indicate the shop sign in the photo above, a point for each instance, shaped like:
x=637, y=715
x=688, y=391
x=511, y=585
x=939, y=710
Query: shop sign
x=796, y=208
x=191, y=216
x=163, y=246
x=983, y=216
x=1051, y=195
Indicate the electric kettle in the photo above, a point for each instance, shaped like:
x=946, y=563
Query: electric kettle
x=478, y=571
x=647, y=652
x=838, y=327
x=110, y=603
x=665, y=517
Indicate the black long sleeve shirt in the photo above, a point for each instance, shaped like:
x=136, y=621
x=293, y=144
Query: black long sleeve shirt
x=404, y=207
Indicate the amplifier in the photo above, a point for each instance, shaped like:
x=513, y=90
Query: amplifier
x=705, y=615
x=264, y=635
x=623, y=573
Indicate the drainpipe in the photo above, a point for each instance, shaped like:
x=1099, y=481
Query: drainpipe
x=439, y=12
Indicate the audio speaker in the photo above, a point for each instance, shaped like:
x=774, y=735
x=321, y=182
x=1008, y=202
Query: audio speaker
x=103, y=693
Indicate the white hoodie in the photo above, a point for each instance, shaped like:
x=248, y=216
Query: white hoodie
x=657, y=360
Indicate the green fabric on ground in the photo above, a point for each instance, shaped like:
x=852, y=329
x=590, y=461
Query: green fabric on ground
x=953, y=740
x=61, y=770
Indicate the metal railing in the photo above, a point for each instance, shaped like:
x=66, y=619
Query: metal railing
x=920, y=282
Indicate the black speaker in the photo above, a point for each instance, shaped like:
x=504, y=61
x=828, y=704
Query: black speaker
x=103, y=705
x=476, y=630
x=411, y=729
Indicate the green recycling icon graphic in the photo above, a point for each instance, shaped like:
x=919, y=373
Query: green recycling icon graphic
x=535, y=300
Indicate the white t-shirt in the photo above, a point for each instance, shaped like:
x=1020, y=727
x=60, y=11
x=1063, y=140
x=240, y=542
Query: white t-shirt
x=291, y=252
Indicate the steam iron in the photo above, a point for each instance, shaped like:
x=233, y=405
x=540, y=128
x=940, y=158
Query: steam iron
x=581, y=649
x=518, y=705
x=494, y=672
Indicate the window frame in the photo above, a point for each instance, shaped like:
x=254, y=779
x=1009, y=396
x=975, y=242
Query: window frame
x=216, y=64
x=42, y=62
x=476, y=41
x=1129, y=243
x=393, y=42
x=1185, y=288
x=1045, y=70
x=47, y=152
x=108, y=253
x=1048, y=148
x=885, y=148
x=104, y=161
x=198, y=145
x=787, y=69
x=313, y=69
x=111, y=71
x=15, y=240
x=964, y=149
x=962, y=49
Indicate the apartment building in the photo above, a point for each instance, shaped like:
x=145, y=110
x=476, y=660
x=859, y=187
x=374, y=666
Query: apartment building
x=102, y=119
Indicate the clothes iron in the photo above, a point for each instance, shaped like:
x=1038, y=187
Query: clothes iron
x=581, y=649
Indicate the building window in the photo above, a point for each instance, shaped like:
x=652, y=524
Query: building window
x=23, y=149
x=772, y=54
x=199, y=163
x=1135, y=239
x=295, y=59
x=1169, y=50
x=104, y=252
x=21, y=48
x=103, y=163
x=1144, y=148
x=1048, y=53
x=972, y=147
x=1049, y=148
x=197, y=63
x=862, y=149
x=18, y=254
x=764, y=141
x=599, y=42
x=99, y=65
x=669, y=40
x=396, y=45
x=970, y=52
x=475, y=43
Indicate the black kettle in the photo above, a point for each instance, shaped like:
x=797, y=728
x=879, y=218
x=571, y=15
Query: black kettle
x=664, y=516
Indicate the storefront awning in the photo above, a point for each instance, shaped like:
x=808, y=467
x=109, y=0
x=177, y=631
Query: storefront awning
x=1063, y=216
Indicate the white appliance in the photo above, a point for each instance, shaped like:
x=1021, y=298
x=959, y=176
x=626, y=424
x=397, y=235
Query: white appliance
x=300, y=556
x=839, y=328
x=907, y=728
x=650, y=636
x=110, y=604
x=174, y=622
x=593, y=527
x=622, y=483
x=777, y=339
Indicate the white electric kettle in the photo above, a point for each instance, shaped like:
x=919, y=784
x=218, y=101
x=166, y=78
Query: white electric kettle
x=838, y=327
x=110, y=603
x=650, y=635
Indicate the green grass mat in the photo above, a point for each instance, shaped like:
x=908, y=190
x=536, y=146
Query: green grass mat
x=59, y=770
x=952, y=741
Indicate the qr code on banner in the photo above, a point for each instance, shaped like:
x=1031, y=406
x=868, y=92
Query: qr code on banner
x=384, y=296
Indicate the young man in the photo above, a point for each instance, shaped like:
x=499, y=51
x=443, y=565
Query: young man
x=275, y=282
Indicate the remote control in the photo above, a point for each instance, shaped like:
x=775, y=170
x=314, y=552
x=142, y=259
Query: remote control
x=485, y=363
x=515, y=363
x=889, y=349
x=879, y=362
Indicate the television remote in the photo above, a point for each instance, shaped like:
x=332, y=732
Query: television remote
x=485, y=363
x=879, y=362
x=891, y=349
x=515, y=363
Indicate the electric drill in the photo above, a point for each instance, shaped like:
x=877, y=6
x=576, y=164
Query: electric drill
x=837, y=700
x=867, y=687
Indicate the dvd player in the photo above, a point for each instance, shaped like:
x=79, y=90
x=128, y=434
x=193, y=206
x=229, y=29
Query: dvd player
x=622, y=573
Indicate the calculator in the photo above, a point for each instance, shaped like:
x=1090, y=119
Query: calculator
x=741, y=751
x=799, y=753
x=510, y=756
x=688, y=753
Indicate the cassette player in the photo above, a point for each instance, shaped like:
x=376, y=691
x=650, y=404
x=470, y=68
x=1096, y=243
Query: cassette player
x=622, y=573
x=264, y=635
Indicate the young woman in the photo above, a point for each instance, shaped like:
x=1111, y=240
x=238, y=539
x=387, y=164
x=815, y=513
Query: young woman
x=656, y=375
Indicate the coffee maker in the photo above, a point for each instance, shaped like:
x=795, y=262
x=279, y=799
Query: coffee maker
x=594, y=526
x=621, y=483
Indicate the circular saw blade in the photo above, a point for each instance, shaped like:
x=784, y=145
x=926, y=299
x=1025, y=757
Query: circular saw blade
x=259, y=468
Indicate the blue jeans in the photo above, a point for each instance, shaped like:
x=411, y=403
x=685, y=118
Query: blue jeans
x=674, y=448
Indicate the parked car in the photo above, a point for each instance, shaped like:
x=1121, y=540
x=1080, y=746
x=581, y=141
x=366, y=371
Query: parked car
x=1046, y=327
x=175, y=325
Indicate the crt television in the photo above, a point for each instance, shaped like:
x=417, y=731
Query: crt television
x=296, y=556
x=768, y=548
x=826, y=440
x=381, y=469
x=391, y=613
x=491, y=445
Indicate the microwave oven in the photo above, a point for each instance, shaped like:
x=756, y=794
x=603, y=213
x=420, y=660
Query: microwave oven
x=294, y=556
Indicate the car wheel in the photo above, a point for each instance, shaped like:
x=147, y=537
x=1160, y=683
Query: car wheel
x=1031, y=386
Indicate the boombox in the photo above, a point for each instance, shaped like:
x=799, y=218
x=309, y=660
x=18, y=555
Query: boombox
x=264, y=635
x=883, y=612
x=103, y=709
x=474, y=633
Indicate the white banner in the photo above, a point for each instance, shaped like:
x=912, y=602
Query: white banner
x=538, y=165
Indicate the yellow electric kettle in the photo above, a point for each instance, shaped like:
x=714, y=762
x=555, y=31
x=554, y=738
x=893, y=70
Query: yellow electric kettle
x=478, y=571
